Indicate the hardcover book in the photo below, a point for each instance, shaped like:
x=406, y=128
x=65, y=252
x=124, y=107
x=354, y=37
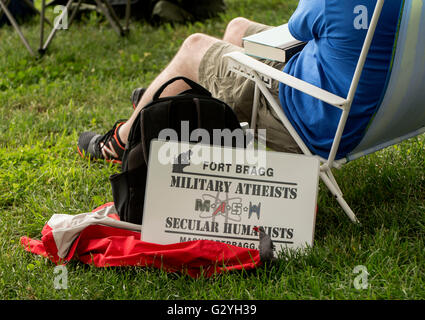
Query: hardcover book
x=276, y=44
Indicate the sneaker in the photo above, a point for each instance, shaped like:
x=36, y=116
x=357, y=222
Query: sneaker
x=108, y=147
x=136, y=95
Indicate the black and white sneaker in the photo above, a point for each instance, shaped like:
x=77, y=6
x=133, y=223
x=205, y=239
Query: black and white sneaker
x=108, y=147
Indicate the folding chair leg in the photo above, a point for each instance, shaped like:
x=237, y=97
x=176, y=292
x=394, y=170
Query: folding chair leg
x=31, y=6
x=16, y=27
x=255, y=107
x=43, y=9
x=127, y=15
x=43, y=49
x=338, y=196
x=74, y=13
x=103, y=5
x=332, y=179
x=6, y=4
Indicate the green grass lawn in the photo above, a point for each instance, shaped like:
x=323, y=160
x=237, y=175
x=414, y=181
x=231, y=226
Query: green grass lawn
x=84, y=82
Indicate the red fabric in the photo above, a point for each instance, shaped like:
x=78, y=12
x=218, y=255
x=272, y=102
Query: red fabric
x=105, y=246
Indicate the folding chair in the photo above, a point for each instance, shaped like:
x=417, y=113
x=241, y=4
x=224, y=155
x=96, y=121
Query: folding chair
x=3, y=9
x=103, y=5
x=401, y=112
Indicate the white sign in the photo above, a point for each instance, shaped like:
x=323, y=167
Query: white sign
x=226, y=200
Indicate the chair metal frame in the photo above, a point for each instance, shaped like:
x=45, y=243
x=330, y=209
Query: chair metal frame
x=263, y=74
x=103, y=5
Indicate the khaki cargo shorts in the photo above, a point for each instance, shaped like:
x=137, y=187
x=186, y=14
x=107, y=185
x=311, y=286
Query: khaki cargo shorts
x=238, y=92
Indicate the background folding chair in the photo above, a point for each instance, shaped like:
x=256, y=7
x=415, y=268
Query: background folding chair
x=4, y=10
x=401, y=112
x=103, y=5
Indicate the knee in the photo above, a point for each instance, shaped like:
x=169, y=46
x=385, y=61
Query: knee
x=193, y=42
x=192, y=50
x=236, y=25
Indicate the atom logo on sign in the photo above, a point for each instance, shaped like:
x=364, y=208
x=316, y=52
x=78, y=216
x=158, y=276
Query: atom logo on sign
x=221, y=208
x=224, y=207
x=229, y=208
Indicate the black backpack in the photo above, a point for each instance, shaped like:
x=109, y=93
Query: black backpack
x=196, y=106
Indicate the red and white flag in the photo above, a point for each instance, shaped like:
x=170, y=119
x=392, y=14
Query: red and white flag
x=101, y=239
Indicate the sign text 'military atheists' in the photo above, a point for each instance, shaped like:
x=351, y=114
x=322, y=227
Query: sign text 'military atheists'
x=244, y=188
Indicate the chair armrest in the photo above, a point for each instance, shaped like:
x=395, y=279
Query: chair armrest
x=287, y=79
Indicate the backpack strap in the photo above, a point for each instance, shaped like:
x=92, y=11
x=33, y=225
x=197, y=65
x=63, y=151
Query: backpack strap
x=195, y=87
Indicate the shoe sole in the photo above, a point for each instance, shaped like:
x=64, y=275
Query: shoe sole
x=136, y=95
x=97, y=160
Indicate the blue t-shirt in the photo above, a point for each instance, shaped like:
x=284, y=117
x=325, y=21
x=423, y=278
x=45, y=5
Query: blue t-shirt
x=335, y=31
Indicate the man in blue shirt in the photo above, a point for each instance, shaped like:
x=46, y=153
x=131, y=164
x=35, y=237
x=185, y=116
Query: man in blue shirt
x=335, y=36
x=335, y=31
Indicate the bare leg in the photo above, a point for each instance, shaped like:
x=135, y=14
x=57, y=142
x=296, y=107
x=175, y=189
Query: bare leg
x=186, y=63
x=236, y=29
